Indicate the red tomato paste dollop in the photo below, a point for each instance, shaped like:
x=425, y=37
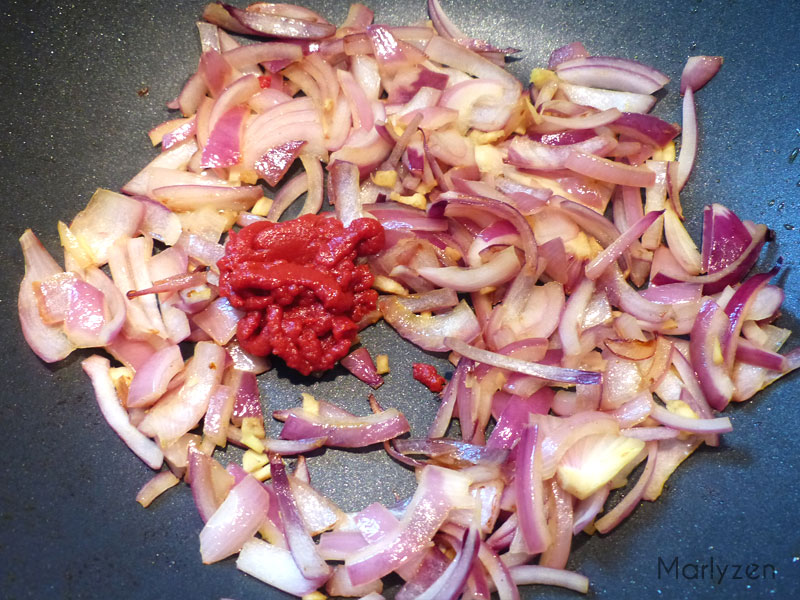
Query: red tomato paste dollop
x=300, y=287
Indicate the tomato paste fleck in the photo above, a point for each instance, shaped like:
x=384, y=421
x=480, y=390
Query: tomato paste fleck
x=300, y=286
x=428, y=375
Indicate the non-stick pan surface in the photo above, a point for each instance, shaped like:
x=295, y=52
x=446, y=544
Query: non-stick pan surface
x=83, y=81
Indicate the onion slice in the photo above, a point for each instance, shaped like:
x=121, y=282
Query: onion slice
x=98, y=370
x=542, y=371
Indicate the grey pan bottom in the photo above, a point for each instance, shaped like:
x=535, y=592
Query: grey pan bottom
x=72, y=120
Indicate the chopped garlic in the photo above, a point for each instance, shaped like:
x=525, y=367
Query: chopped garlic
x=539, y=77
x=680, y=408
x=717, y=356
x=78, y=250
x=489, y=159
x=253, y=443
x=416, y=200
x=389, y=286
x=253, y=461
x=484, y=137
x=453, y=254
x=310, y=403
x=253, y=426
x=665, y=153
x=261, y=208
x=263, y=473
x=382, y=364
x=385, y=178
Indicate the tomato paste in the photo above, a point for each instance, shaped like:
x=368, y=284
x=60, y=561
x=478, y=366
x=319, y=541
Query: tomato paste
x=301, y=287
x=428, y=376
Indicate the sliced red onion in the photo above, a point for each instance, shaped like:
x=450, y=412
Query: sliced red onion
x=538, y=575
x=675, y=421
x=647, y=128
x=275, y=566
x=219, y=320
x=177, y=413
x=224, y=141
x=439, y=491
x=737, y=308
x=192, y=197
x=274, y=163
x=688, y=139
x=98, y=370
x=749, y=353
x=343, y=191
x=248, y=399
x=612, y=518
x=451, y=452
x=173, y=283
x=342, y=431
x=244, y=361
x=177, y=157
x=606, y=99
x=218, y=415
x=449, y=585
x=290, y=447
x=107, y=218
x=159, y=222
x=612, y=73
x=698, y=71
x=565, y=53
x=235, y=521
x=615, y=249
x=450, y=53
x=151, y=380
x=530, y=154
x=267, y=25
x=530, y=492
x=706, y=354
x=496, y=271
x=359, y=363
x=156, y=486
x=520, y=366
x=250, y=55
x=590, y=120
x=302, y=546
x=610, y=171
x=429, y=332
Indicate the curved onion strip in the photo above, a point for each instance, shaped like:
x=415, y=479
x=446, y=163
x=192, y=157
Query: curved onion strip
x=302, y=546
x=612, y=518
x=542, y=371
x=439, y=491
x=497, y=270
x=538, y=575
x=344, y=432
x=665, y=417
x=614, y=250
x=98, y=370
x=688, y=139
x=530, y=492
x=235, y=521
x=275, y=566
x=156, y=486
x=429, y=332
x=698, y=71
x=705, y=339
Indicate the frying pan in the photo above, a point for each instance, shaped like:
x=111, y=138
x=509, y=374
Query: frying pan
x=82, y=83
